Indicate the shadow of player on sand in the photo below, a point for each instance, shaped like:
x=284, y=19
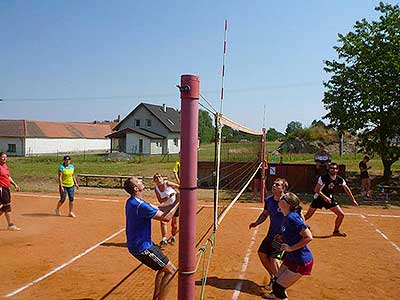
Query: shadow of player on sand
x=248, y=286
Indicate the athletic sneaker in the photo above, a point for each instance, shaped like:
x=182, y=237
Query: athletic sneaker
x=12, y=227
x=172, y=240
x=268, y=286
x=269, y=296
x=57, y=212
x=163, y=243
x=72, y=215
x=339, y=233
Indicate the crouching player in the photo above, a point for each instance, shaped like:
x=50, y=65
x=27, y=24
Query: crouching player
x=139, y=214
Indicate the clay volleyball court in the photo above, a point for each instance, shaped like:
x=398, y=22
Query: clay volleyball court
x=86, y=258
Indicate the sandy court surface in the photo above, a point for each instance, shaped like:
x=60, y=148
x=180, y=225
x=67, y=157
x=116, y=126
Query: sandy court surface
x=86, y=258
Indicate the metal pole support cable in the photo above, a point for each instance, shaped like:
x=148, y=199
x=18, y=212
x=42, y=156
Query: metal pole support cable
x=199, y=253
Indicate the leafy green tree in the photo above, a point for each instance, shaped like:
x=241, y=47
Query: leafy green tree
x=363, y=93
x=206, y=129
x=293, y=127
x=318, y=123
x=273, y=134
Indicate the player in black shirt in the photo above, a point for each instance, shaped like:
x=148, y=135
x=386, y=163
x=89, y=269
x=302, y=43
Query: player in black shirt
x=324, y=197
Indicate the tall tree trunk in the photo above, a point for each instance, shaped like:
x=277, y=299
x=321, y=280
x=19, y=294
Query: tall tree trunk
x=387, y=172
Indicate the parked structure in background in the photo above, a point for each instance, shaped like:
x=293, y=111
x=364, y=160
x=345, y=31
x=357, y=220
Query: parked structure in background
x=24, y=137
x=148, y=129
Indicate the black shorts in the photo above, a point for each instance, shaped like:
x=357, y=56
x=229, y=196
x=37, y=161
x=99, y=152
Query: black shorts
x=266, y=246
x=364, y=175
x=5, y=199
x=152, y=257
x=319, y=202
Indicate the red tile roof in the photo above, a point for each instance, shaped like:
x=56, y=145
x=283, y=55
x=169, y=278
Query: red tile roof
x=43, y=129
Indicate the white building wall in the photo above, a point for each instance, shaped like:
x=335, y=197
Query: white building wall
x=156, y=147
x=132, y=143
x=18, y=142
x=46, y=145
x=142, y=114
x=171, y=147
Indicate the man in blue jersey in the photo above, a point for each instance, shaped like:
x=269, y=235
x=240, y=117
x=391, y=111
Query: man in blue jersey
x=139, y=214
x=271, y=210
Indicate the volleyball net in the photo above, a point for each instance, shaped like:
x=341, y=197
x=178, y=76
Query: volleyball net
x=238, y=164
x=238, y=167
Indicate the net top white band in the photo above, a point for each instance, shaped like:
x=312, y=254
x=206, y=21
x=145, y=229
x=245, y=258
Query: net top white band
x=225, y=121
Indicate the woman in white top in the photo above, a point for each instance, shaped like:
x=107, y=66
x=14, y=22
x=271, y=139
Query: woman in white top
x=167, y=196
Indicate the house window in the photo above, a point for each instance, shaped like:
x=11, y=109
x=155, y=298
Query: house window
x=148, y=123
x=12, y=148
x=175, y=142
x=137, y=123
x=158, y=144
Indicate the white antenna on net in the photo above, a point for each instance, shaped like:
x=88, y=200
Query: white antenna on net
x=223, y=65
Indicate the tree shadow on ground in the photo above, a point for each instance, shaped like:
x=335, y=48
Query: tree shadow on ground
x=248, y=286
x=111, y=244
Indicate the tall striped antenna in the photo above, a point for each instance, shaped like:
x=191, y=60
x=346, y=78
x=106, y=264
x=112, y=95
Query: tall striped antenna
x=264, y=117
x=223, y=64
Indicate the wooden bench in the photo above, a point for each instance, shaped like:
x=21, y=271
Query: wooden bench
x=120, y=178
x=387, y=188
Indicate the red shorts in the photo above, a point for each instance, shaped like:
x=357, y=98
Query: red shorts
x=303, y=269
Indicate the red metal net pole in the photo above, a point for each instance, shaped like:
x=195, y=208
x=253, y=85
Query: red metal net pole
x=190, y=93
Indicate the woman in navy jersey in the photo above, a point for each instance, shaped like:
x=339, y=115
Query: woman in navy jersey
x=295, y=236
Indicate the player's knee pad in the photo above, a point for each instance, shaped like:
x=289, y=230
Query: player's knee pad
x=279, y=291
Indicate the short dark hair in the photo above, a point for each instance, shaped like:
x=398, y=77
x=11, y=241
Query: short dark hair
x=333, y=164
x=366, y=157
x=2, y=153
x=129, y=186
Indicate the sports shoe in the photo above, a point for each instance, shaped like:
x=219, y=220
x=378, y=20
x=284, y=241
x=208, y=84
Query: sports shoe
x=13, y=227
x=163, y=243
x=339, y=233
x=268, y=286
x=72, y=215
x=57, y=212
x=269, y=296
x=172, y=240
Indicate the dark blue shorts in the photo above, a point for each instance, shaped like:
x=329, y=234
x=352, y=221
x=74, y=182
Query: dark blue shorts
x=70, y=191
x=152, y=257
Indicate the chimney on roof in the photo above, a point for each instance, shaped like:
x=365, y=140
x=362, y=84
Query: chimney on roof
x=164, y=108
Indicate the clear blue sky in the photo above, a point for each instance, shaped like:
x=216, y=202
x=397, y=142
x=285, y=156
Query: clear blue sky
x=94, y=60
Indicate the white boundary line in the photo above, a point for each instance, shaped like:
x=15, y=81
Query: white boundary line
x=62, y=266
x=57, y=197
x=380, y=232
x=245, y=264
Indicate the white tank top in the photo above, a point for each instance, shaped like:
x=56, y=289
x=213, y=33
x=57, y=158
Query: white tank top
x=168, y=192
